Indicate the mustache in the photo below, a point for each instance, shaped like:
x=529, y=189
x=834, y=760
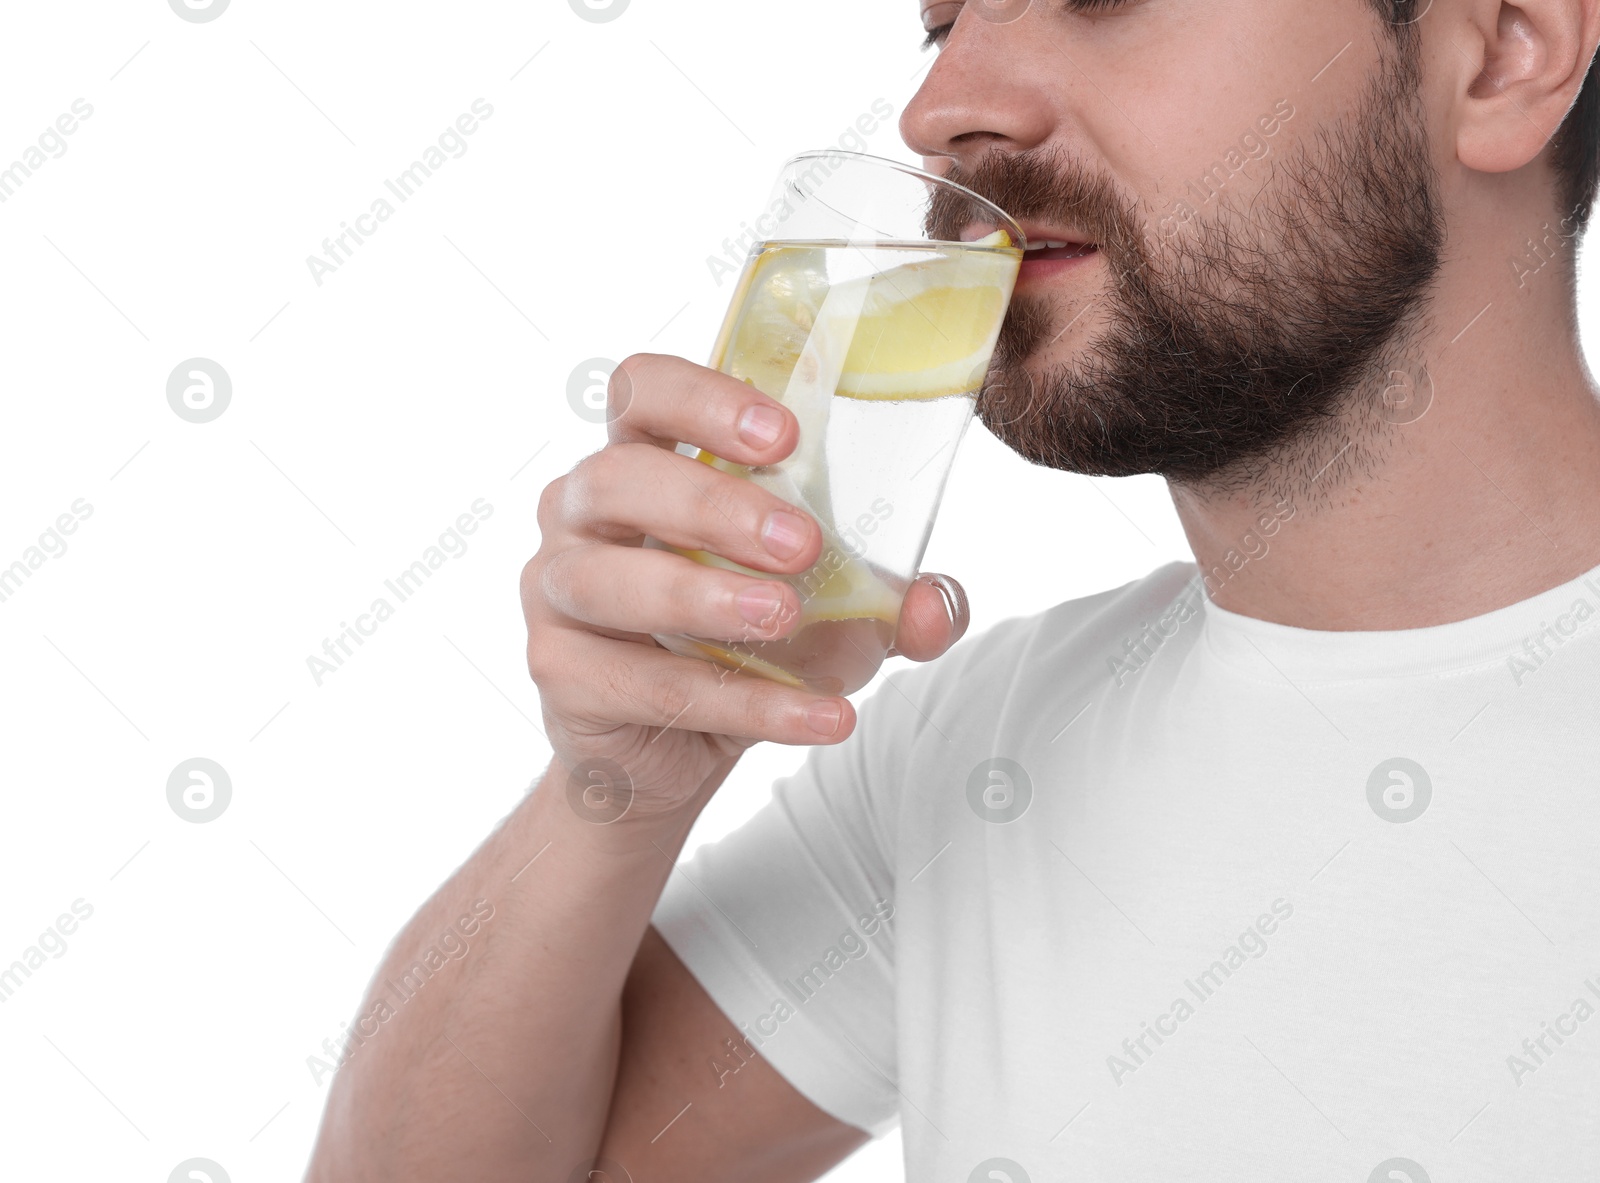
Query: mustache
x=1048, y=186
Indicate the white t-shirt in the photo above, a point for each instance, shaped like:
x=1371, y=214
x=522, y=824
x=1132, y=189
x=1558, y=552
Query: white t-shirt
x=1141, y=889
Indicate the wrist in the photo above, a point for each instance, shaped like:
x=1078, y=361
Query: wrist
x=604, y=811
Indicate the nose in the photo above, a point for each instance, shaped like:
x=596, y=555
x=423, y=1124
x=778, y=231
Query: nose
x=986, y=91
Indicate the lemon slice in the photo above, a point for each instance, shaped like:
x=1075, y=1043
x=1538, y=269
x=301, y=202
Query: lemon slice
x=920, y=330
x=926, y=330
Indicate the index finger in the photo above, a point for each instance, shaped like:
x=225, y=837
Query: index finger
x=665, y=400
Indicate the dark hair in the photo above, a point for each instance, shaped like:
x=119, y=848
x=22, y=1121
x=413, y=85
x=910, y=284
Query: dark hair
x=1576, y=143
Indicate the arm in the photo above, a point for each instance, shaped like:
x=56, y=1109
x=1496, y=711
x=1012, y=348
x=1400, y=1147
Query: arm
x=750, y=1124
x=567, y=1032
x=519, y=1060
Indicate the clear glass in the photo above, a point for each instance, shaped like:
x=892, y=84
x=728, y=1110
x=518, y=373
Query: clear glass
x=870, y=310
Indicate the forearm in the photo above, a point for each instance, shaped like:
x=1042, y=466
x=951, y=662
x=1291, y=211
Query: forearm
x=501, y=1065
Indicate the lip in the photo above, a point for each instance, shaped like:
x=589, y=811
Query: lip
x=1038, y=232
x=1042, y=265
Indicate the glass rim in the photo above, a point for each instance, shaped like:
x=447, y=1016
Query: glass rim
x=1004, y=219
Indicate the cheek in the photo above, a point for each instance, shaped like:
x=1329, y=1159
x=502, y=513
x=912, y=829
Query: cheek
x=1184, y=85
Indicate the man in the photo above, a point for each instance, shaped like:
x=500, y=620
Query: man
x=1278, y=866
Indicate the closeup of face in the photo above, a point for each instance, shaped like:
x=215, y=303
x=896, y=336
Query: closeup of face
x=1250, y=212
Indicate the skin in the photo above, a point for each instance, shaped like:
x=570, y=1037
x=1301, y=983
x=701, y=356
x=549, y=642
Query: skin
x=1487, y=499
x=570, y=1030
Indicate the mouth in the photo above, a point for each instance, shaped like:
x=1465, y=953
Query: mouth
x=1057, y=250
x=1052, y=253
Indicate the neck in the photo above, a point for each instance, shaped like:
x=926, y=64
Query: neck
x=1461, y=479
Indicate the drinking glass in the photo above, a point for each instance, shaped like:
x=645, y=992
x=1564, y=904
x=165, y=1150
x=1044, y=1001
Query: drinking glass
x=869, y=306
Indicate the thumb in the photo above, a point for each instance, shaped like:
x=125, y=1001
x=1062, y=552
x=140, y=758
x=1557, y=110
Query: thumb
x=934, y=617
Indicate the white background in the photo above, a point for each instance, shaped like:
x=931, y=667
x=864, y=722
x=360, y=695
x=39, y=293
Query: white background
x=368, y=412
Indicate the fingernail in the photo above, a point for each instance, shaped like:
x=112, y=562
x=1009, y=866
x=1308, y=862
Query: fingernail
x=783, y=534
x=824, y=716
x=760, y=605
x=949, y=592
x=761, y=425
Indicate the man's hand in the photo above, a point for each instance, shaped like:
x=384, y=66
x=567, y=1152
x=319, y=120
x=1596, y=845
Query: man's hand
x=592, y=595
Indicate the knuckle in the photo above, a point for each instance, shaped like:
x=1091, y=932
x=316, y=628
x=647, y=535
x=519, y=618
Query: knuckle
x=552, y=503
x=662, y=693
x=543, y=660
x=691, y=594
x=592, y=484
x=632, y=374
x=734, y=508
x=765, y=710
x=582, y=587
x=528, y=580
x=624, y=684
x=600, y=470
x=555, y=583
x=672, y=699
x=639, y=602
x=694, y=586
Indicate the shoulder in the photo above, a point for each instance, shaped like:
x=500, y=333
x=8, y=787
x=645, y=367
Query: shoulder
x=1060, y=630
x=1064, y=644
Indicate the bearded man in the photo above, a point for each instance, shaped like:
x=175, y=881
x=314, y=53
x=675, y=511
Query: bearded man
x=1281, y=864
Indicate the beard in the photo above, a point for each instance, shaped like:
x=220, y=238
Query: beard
x=1242, y=349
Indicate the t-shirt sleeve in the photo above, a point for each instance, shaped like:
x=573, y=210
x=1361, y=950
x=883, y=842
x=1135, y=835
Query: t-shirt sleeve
x=787, y=922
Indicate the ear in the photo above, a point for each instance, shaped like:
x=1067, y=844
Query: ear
x=1529, y=61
